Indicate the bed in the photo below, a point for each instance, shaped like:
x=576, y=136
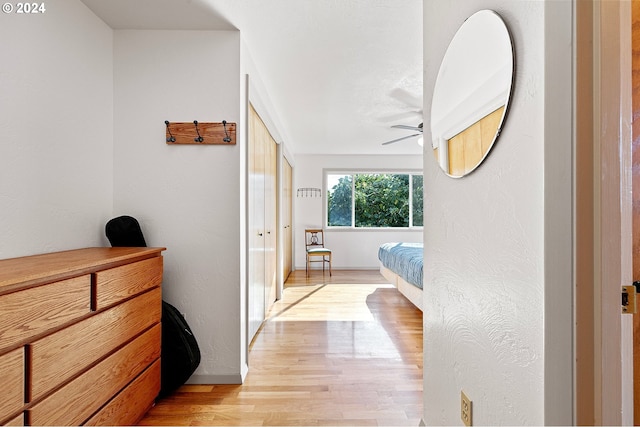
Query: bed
x=401, y=264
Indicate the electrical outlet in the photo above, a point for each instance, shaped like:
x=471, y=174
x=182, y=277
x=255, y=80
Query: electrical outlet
x=465, y=409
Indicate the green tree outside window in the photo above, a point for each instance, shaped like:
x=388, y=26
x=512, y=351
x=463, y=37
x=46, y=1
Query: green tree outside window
x=374, y=200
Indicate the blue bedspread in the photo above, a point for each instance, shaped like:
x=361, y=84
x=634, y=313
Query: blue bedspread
x=404, y=259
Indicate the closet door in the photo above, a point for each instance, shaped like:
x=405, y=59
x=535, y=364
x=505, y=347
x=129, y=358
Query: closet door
x=256, y=212
x=263, y=229
x=271, y=224
x=287, y=216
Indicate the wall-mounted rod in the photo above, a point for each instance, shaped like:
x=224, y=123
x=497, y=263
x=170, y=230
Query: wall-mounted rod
x=200, y=133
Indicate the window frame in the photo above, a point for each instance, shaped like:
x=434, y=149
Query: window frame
x=353, y=172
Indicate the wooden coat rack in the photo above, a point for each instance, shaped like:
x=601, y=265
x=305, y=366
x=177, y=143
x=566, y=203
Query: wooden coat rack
x=200, y=133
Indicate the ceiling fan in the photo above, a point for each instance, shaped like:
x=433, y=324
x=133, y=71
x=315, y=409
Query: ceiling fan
x=413, y=128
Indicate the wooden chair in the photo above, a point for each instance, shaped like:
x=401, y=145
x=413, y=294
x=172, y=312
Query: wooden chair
x=314, y=241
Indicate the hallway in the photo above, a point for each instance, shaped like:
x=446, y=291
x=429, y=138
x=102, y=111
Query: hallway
x=340, y=350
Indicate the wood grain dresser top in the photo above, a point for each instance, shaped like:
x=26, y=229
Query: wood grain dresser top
x=23, y=272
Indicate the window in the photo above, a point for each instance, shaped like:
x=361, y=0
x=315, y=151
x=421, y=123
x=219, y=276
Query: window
x=374, y=200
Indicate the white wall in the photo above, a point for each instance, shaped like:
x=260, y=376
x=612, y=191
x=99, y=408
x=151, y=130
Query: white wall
x=56, y=126
x=489, y=270
x=357, y=249
x=187, y=198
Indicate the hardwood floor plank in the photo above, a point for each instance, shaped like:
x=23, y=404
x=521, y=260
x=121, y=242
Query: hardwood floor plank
x=336, y=350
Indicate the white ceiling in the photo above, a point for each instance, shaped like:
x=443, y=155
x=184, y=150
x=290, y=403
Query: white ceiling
x=338, y=72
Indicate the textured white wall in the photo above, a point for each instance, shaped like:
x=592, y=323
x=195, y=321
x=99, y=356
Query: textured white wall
x=56, y=126
x=485, y=271
x=187, y=198
x=351, y=249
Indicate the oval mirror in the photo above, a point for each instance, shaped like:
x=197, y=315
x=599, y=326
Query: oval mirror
x=471, y=93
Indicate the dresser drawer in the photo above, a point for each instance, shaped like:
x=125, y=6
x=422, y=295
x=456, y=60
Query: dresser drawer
x=78, y=400
x=120, y=283
x=34, y=311
x=12, y=379
x=128, y=407
x=60, y=356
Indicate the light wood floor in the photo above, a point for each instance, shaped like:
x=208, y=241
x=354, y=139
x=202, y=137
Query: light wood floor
x=345, y=350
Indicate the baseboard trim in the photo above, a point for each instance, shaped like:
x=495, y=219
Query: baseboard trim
x=215, y=379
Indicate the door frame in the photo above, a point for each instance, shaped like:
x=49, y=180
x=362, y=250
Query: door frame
x=602, y=175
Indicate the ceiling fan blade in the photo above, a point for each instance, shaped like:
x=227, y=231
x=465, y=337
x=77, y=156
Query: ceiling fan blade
x=415, y=128
x=400, y=139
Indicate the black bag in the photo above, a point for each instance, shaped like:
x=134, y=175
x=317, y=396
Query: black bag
x=125, y=231
x=180, y=352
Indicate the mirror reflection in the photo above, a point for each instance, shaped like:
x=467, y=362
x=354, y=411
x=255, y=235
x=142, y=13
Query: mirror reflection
x=471, y=93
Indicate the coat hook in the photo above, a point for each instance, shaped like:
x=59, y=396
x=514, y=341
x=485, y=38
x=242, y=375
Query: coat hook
x=226, y=138
x=171, y=138
x=199, y=138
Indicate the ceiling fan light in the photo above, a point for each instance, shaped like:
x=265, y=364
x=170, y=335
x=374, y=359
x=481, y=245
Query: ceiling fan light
x=420, y=141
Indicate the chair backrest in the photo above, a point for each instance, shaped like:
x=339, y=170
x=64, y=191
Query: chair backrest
x=314, y=238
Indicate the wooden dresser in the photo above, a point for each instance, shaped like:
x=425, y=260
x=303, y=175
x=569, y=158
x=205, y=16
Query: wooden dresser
x=80, y=336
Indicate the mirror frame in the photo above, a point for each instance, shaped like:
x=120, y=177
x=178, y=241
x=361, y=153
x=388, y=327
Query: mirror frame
x=456, y=113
